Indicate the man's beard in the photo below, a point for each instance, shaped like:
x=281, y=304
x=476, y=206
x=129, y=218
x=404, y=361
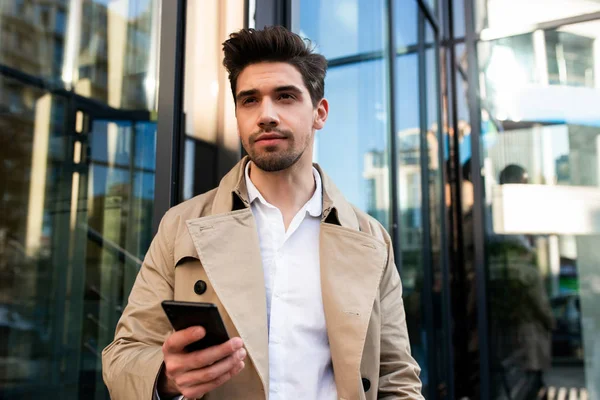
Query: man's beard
x=273, y=160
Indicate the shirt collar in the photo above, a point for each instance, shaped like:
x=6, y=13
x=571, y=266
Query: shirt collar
x=314, y=206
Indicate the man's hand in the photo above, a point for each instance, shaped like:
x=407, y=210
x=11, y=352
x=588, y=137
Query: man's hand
x=195, y=374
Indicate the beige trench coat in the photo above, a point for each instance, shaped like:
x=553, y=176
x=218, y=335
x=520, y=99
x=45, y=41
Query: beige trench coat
x=213, y=238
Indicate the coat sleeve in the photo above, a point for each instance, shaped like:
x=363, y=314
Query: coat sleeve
x=399, y=372
x=131, y=363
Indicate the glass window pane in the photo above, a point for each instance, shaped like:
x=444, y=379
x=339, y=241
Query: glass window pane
x=359, y=119
x=145, y=145
x=436, y=210
x=500, y=14
x=344, y=27
x=540, y=148
x=112, y=62
x=405, y=22
x=99, y=48
x=410, y=199
x=31, y=254
x=458, y=11
x=466, y=351
x=78, y=180
x=211, y=145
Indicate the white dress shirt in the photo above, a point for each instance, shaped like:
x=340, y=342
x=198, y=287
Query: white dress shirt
x=299, y=355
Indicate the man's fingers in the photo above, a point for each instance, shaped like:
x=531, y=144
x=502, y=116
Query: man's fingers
x=178, y=340
x=202, y=358
x=213, y=372
x=202, y=389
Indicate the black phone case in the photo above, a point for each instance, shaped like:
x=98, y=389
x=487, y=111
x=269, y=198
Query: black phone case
x=183, y=314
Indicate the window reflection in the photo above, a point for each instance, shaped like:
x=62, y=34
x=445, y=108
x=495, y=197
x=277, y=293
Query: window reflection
x=405, y=22
x=358, y=119
x=458, y=13
x=409, y=172
x=76, y=185
x=211, y=145
x=109, y=59
x=437, y=223
x=500, y=14
x=540, y=143
x=413, y=227
x=344, y=27
x=466, y=345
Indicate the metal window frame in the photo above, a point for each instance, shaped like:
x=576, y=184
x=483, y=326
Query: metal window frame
x=374, y=55
x=170, y=108
x=471, y=41
x=430, y=15
x=446, y=304
x=426, y=258
x=455, y=299
x=391, y=55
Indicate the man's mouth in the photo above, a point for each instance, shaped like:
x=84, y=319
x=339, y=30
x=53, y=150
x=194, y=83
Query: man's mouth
x=267, y=139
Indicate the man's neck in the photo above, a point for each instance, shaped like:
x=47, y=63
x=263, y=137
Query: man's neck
x=288, y=190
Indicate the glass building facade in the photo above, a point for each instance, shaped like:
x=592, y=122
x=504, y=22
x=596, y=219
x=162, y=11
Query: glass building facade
x=469, y=128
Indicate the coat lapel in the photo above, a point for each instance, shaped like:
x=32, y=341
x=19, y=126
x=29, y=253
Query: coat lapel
x=229, y=250
x=352, y=264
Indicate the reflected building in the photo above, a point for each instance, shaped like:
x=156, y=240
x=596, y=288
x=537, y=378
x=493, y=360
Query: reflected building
x=377, y=177
x=537, y=88
x=77, y=89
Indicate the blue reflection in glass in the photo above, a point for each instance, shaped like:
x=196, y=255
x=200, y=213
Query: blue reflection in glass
x=145, y=145
x=405, y=22
x=344, y=27
x=357, y=125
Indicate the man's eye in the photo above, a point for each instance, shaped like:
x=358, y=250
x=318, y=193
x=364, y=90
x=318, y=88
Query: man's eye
x=248, y=100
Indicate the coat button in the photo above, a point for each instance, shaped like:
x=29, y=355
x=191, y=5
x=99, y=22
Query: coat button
x=366, y=384
x=200, y=287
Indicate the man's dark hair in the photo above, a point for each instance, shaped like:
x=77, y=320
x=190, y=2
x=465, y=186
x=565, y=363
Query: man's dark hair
x=275, y=44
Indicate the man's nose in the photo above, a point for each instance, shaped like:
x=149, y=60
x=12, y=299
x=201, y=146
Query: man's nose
x=268, y=115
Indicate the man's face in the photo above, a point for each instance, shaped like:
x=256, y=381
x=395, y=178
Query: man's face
x=275, y=115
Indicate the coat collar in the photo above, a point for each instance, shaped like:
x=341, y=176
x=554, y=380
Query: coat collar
x=232, y=194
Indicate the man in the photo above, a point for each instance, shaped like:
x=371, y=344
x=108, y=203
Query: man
x=306, y=284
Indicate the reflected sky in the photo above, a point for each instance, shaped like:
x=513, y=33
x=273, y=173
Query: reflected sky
x=358, y=93
x=357, y=123
x=343, y=27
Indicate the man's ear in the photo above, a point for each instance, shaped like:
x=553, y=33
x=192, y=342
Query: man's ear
x=322, y=111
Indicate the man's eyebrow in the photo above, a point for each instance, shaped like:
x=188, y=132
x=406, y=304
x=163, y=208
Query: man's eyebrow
x=288, y=88
x=279, y=89
x=246, y=93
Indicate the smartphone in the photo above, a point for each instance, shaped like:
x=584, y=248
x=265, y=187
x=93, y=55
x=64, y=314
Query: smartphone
x=183, y=314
